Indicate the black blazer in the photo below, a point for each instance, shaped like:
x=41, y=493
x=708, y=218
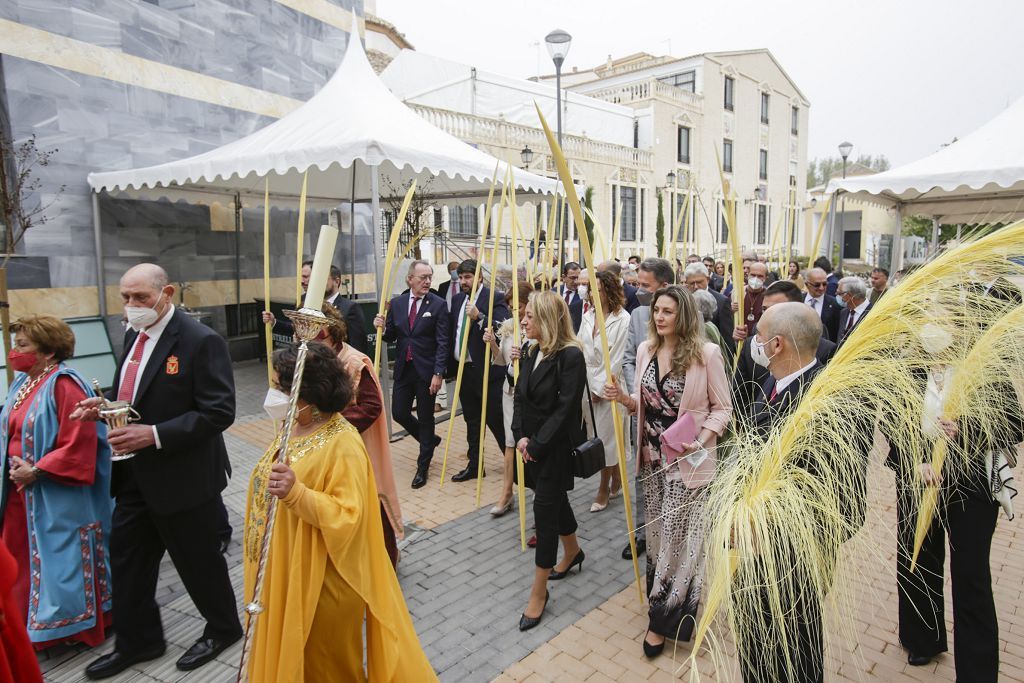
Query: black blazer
x=769, y=413
x=475, y=343
x=548, y=409
x=428, y=337
x=723, y=317
x=187, y=390
x=830, y=317
x=575, y=308
x=632, y=302
x=844, y=317
x=749, y=379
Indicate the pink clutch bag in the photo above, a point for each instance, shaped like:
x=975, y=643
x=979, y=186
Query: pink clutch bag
x=676, y=438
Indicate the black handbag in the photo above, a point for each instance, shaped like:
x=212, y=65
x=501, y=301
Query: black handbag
x=588, y=457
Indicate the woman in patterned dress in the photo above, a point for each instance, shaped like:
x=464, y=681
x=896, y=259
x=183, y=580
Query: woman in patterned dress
x=679, y=372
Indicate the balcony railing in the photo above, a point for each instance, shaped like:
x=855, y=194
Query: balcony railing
x=646, y=90
x=477, y=129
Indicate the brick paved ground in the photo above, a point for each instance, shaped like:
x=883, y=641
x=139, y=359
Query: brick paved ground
x=466, y=582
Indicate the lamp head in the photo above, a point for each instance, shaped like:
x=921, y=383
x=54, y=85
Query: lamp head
x=558, y=42
x=845, y=149
x=670, y=179
x=526, y=155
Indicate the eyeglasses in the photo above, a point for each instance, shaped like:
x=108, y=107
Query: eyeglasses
x=817, y=285
x=840, y=293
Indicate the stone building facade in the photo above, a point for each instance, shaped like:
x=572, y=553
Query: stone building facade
x=117, y=84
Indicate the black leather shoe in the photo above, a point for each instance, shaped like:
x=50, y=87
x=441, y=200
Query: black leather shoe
x=652, y=651
x=641, y=548
x=467, y=474
x=420, y=479
x=526, y=623
x=576, y=561
x=437, y=441
x=918, y=660
x=116, y=662
x=224, y=543
x=201, y=652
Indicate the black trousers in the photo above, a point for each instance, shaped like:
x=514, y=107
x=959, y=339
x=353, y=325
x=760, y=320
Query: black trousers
x=553, y=517
x=802, y=659
x=138, y=540
x=471, y=395
x=970, y=520
x=421, y=426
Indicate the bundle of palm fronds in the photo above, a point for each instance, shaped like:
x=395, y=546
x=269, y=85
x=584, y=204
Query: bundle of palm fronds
x=780, y=512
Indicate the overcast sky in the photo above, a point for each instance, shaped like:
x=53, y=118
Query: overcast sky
x=893, y=77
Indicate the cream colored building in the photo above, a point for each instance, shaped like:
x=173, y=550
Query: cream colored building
x=740, y=107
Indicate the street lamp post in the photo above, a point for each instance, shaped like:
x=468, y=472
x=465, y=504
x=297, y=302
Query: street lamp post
x=844, y=151
x=558, y=42
x=670, y=181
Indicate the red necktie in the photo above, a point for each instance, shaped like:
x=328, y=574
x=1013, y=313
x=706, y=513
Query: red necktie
x=568, y=296
x=412, y=321
x=127, y=388
x=586, y=306
x=775, y=392
x=849, y=322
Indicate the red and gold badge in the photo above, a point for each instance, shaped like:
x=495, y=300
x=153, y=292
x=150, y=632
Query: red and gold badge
x=172, y=365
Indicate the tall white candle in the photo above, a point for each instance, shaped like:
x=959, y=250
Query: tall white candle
x=321, y=267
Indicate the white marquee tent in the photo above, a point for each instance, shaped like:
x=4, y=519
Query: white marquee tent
x=977, y=179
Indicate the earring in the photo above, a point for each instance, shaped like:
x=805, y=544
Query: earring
x=315, y=414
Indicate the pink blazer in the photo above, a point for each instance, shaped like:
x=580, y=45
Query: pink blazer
x=706, y=397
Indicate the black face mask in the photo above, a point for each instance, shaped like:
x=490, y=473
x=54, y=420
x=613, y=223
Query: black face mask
x=644, y=297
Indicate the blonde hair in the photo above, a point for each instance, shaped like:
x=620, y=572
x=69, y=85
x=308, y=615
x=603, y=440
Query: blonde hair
x=553, y=322
x=689, y=329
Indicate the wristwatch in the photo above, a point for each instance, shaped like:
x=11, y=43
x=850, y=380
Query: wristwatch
x=699, y=443
x=37, y=473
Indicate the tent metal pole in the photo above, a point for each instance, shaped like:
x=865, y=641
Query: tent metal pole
x=238, y=264
x=897, y=243
x=385, y=370
x=935, y=236
x=97, y=230
x=352, y=227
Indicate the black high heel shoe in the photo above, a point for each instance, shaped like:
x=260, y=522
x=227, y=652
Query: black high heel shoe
x=576, y=561
x=652, y=651
x=526, y=623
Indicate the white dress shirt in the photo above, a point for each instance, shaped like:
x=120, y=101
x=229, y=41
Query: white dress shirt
x=781, y=384
x=818, y=305
x=153, y=332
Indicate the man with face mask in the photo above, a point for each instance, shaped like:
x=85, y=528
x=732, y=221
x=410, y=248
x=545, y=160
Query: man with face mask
x=447, y=289
x=750, y=377
x=753, y=298
x=652, y=275
x=177, y=375
x=786, y=343
x=615, y=267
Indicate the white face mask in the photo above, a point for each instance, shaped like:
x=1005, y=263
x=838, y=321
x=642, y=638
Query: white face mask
x=276, y=404
x=141, y=317
x=757, y=353
x=755, y=283
x=934, y=338
x=581, y=292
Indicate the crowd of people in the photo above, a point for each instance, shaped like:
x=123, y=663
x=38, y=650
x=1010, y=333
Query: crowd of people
x=87, y=534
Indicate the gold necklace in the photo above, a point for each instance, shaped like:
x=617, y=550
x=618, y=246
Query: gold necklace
x=27, y=387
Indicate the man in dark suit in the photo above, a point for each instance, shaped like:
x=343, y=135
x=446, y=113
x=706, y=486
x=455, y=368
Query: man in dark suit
x=787, y=344
x=469, y=319
x=854, y=294
x=177, y=374
x=446, y=290
x=696, y=276
x=824, y=305
x=355, y=324
x=568, y=291
x=749, y=378
x=418, y=320
x=715, y=281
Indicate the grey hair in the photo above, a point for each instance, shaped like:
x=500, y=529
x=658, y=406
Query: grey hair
x=660, y=268
x=855, y=287
x=613, y=266
x=696, y=268
x=706, y=303
x=418, y=262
